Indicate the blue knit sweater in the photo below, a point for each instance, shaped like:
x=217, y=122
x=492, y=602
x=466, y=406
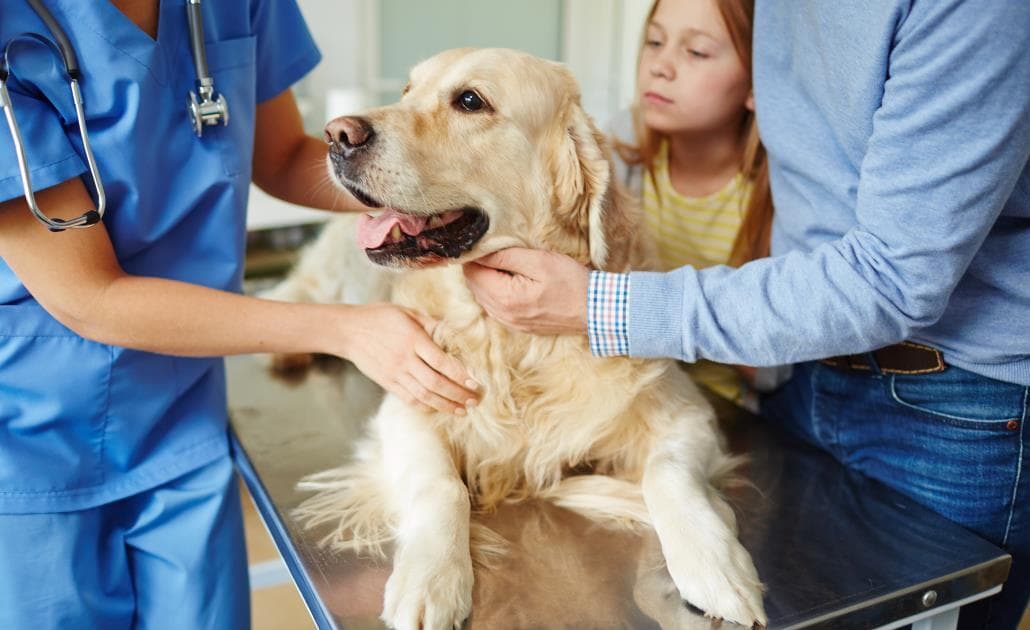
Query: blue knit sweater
x=898, y=133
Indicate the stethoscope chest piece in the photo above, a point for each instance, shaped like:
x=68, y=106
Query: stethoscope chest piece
x=205, y=110
x=205, y=106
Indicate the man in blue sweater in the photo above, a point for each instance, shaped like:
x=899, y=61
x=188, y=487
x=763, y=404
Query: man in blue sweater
x=898, y=134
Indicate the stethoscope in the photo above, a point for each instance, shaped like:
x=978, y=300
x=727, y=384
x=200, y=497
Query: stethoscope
x=205, y=106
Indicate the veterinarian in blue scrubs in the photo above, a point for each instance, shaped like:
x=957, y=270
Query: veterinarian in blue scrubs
x=118, y=504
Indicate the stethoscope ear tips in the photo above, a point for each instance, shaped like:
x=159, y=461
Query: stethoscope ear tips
x=91, y=217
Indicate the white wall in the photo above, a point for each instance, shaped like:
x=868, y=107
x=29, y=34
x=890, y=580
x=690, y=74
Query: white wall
x=591, y=50
x=340, y=29
x=600, y=39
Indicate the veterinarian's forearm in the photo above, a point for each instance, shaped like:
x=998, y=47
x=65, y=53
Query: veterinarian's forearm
x=305, y=181
x=177, y=318
x=291, y=165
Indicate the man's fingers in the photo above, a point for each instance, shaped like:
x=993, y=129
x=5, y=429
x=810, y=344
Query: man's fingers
x=483, y=275
x=474, y=271
x=490, y=287
x=514, y=260
x=496, y=260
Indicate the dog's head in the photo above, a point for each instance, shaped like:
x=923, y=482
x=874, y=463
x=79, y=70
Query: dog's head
x=487, y=148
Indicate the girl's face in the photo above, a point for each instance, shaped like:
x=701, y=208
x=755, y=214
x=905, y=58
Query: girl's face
x=690, y=78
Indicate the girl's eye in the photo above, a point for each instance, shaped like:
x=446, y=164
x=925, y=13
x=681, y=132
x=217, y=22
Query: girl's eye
x=470, y=101
x=696, y=53
x=652, y=43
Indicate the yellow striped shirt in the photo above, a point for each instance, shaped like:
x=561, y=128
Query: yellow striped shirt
x=696, y=231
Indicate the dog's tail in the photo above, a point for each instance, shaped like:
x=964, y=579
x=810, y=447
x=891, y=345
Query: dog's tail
x=351, y=501
x=612, y=502
x=619, y=503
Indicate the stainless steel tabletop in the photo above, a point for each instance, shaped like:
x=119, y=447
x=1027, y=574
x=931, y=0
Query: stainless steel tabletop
x=835, y=549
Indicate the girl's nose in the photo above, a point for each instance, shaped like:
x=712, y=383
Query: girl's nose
x=661, y=68
x=661, y=64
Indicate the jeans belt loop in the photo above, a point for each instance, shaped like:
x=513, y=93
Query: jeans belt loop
x=873, y=363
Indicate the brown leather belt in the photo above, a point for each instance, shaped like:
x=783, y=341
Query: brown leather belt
x=901, y=358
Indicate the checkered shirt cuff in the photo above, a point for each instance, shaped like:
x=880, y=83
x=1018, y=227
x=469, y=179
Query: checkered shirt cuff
x=608, y=313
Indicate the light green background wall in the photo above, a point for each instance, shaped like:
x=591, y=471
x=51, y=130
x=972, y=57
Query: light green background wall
x=412, y=30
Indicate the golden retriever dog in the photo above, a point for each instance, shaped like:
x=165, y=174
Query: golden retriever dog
x=487, y=149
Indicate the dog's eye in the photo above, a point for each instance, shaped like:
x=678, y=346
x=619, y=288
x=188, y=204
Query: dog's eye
x=407, y=88
x=470, y=101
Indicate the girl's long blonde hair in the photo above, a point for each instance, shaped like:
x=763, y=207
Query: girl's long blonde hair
x=753, y=238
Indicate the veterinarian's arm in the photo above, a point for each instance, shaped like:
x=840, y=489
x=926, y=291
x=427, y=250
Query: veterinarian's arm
x=291, y=165
x=75, y=276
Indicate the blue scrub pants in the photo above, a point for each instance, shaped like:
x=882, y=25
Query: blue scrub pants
x=955, y=441
x=170, y=557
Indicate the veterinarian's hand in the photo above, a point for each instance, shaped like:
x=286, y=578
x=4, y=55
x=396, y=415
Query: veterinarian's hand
x=394, y=347
x=531, y=290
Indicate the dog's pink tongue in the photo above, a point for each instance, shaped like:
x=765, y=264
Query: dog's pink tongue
x=372, y=231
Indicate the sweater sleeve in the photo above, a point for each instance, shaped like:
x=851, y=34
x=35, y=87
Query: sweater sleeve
x=948, y=144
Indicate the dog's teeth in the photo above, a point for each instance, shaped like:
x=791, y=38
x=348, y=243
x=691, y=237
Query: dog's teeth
x=435, y=222
x=395, y=233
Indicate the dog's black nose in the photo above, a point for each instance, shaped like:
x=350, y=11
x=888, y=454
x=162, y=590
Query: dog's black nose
x=350, y=132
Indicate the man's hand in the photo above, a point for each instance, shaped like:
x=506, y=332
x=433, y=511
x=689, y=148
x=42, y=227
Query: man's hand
x=530, y=290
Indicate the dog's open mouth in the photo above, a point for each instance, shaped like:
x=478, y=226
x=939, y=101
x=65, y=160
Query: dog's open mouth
x=397, y=237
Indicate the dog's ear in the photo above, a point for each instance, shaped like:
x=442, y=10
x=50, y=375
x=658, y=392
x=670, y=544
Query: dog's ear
x=586, y=193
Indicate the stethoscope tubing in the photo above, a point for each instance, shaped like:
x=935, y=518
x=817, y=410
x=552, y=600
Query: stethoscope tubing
x=90, y=217
x=205, y=107
x=71, y=61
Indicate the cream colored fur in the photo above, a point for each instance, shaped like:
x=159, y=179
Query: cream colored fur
x=536, y=165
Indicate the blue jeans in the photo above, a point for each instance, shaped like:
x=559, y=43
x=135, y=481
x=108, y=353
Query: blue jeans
x=954, y=441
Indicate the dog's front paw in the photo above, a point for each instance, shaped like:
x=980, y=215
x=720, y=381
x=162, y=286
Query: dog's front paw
x=431, y=594
x=720, y=584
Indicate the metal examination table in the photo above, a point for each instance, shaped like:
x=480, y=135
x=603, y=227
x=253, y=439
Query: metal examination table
x=834, y=549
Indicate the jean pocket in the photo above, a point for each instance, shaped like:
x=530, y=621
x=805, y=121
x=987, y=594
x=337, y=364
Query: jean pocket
x=960, y=397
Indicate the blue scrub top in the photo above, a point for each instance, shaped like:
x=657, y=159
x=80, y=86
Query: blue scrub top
x=82, y=423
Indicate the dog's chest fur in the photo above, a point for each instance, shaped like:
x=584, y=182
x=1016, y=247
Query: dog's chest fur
x=542, y=413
